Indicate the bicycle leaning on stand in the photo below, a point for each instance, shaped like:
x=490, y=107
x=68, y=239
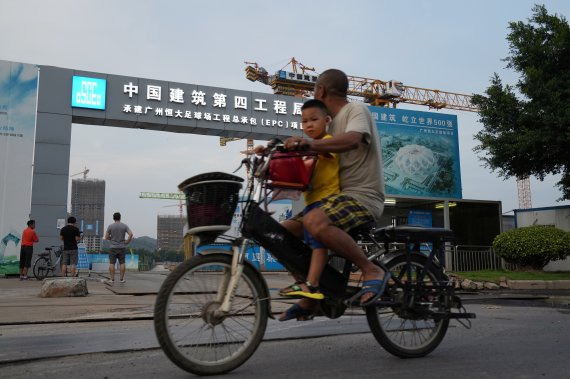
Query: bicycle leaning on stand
x=211, y=311
x=44, y=265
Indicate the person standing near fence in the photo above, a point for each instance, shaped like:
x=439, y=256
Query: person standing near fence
x=116, y=234
x=70, y=236
x=29, y=237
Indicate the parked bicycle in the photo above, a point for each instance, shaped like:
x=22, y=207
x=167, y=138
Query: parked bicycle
x=211, y=312
x=43, y=265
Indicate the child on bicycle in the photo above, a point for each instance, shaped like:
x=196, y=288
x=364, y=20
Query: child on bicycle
x=325, y=182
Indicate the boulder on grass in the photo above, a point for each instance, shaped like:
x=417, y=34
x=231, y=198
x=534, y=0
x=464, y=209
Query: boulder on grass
x=64, y=287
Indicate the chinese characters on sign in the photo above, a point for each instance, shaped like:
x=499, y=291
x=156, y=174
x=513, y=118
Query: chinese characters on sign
x=212, y=107
x=428, y=125
x=5, y=129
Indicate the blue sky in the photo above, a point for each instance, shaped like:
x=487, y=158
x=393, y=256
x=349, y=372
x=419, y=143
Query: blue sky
x=448, y=45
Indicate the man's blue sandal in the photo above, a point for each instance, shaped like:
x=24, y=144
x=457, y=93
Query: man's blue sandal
x=375, y=286
x=295, y=311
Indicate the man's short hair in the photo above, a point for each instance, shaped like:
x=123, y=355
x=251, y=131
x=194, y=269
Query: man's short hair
x=314, y=103
x=71, y=220
x=116, y=216
x=31, y=222
x=334, y=81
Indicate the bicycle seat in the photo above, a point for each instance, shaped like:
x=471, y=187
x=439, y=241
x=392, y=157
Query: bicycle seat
x=405, y=233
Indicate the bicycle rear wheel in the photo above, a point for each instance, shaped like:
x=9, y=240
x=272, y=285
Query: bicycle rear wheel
x=41, y=268
x=403, y=331
x=189, y=331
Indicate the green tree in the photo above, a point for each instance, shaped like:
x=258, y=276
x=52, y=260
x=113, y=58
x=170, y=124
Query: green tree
x=529, y=134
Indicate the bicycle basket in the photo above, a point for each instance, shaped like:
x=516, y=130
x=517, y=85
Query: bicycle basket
x=211, y=200
x=292, y=170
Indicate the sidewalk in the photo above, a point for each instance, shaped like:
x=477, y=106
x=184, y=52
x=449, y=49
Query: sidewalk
x=134, y=300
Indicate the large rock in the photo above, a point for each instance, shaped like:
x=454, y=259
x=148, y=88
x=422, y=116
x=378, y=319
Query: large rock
x=467, y=284
x=64, y=287
x=491, y=286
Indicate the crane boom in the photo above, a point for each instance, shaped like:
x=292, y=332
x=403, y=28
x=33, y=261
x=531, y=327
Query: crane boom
x=163, y=195
x=84, y=172
x=373, y=91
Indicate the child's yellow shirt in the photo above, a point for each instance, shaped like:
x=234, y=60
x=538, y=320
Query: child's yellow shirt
x=325, y=181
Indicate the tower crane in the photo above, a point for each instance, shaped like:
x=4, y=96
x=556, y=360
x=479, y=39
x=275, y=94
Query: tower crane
x=84, y=172
x=300, y=81
x=166, y=196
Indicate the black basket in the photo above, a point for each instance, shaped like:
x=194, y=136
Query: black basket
x=211, y=200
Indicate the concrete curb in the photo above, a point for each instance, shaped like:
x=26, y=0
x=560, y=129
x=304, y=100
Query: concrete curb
x=539, y=284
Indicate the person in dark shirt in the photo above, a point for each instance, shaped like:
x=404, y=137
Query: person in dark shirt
x=70, y=235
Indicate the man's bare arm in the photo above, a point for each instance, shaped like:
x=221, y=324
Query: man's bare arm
x=130, y=233
x=337, y=144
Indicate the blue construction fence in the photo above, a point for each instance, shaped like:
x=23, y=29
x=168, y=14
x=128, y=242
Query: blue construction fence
x=257, y=255
x=87, y=261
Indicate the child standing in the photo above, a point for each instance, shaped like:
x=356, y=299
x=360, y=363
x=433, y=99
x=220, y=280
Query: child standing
x=325, y=182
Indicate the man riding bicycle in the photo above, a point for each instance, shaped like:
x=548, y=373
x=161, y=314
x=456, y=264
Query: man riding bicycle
x=361, y=201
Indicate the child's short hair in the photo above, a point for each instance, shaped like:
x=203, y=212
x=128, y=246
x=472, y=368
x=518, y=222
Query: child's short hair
x=71, y=220
x=314, y=103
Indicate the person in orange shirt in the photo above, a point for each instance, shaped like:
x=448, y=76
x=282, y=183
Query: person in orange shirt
x=29, y=237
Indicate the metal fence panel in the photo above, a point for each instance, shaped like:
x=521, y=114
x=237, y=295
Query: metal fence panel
x=475, y=258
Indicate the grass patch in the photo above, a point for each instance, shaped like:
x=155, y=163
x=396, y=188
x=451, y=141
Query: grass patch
x=495, y=275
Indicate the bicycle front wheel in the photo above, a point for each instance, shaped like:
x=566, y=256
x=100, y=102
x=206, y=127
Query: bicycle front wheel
x=406, y=330
x=41, y=268
x=190, y=331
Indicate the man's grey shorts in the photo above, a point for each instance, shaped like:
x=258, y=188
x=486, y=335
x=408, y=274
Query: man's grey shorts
x=117, y=253
x=69, y=257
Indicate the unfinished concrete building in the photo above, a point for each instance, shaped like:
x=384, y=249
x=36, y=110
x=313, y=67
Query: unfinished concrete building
x=170, y=232
x=88, y=207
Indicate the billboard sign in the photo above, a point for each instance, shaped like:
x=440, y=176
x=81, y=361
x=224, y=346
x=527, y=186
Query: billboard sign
x=88, y=92
x=18, y=97
x=420, y=152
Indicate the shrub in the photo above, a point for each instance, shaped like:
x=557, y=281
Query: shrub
x=532, y=246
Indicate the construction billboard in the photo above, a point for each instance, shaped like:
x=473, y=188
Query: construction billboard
x=18, y=94
x=420, y=152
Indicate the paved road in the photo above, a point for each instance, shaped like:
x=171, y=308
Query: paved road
x=505, y=341
x=29, y=342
